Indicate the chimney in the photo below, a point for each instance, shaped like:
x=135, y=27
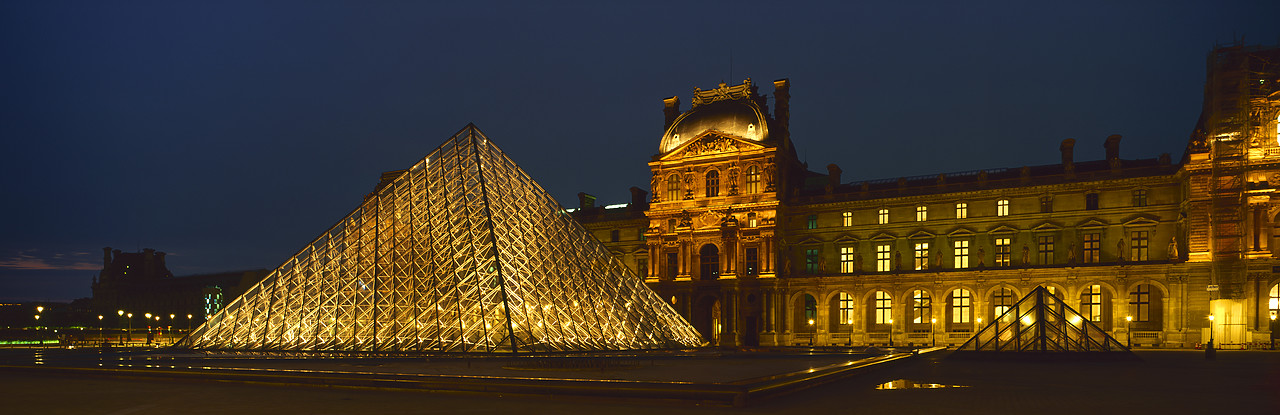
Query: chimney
x=782, y=104
x=586, y=201
x=160, y=262
x=638, y=198
x=671, y=110
x=106, y=257
x=1068, y=155
x=148, y=262
x=1113, y=151
x=833, y=177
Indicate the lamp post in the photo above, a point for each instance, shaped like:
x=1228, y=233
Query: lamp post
x=1273, y=330
x=121, y=314
x=1209, y=353
x=1128, y=321
x=100, y=340
x=933, y=333
x=129, y=333
x=188, y=324
x=890, y=332
x=811, y=332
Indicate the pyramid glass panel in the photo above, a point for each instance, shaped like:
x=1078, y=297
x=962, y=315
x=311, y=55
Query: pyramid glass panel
x=1042, y=322
x=462, y=252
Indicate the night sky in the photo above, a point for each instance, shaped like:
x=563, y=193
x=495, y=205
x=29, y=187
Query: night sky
x=229, y=134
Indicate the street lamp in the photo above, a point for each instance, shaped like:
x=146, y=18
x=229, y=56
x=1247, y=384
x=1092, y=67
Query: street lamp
x=811, y=332
x=129, y=334
x=932, y=332
x=188, y=324
x=100, y=327
x=1273, y=330
x=39, y=309
x=1128, y=321
x=890, y=332
x=1209, y=353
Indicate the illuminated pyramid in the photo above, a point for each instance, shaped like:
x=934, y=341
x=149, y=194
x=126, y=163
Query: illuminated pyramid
x=462, y=252
x=1042, y=322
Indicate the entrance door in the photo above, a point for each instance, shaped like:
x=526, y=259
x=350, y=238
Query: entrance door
x=752, y=336
x=706, y=318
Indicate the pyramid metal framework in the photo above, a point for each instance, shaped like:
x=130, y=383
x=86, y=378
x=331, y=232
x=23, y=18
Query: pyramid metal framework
x=463, y=252
x=1042, y=322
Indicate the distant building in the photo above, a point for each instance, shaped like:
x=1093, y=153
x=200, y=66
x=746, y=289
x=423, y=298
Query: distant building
x=141, y=283
x=755, y=249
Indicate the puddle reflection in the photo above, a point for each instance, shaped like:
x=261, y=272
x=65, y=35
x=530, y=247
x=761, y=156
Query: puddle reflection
x=907, y=384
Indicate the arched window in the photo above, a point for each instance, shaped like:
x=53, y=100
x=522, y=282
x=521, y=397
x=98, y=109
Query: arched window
x=921, y=307
x=709, y=262
x=961, y=307
x=713, y=183
x=753, y=180
x=846, y=309
x=673, y=188
x=1093, y=305
x=1273, y=304
x=806, y=309
x=1001, y=300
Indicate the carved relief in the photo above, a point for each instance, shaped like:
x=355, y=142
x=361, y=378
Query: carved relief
x=710, y=144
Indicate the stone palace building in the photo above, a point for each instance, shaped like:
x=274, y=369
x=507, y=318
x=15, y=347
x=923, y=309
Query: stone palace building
x=754, y=248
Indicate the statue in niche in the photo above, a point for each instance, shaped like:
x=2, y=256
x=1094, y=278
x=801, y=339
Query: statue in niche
x=1026, y=256
x=733, y=181
x=769, y=170
x=1071, y=254
x=982, y=258
x=1120, y=251
x=688, y=185
x=1173, y=249
x=653, y=184
x=897, y=261
x=857, y=263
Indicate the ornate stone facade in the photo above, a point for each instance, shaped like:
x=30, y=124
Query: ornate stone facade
x=755, y=249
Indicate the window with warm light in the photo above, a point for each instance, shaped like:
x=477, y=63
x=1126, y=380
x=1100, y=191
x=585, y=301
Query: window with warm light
x=961, y=306
x=1091, y=303
x=1092, y=247
x=751, y=220
x=752, y=184
x=921, y=307
x=1140, y=302
x=847, y=260
x=962, y=210
x=1002, y=252
x=883, y=256
x=713, y=183
x=1273, y=304
x=921, y=255
x=1046, y=204
x=673, y=188
x=1045, y=251
x=846, y=308
x=1002, y=207
x=1138, y=242
x=922, y=213
x=846, y=219
x=960, y=254
x=884, y=307
x=1001, y=300
x=882, y=216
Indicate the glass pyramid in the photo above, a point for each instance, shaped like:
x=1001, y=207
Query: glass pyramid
x=463, y=252
x=1042, y=322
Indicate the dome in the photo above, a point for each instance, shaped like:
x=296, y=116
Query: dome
x=737, y=118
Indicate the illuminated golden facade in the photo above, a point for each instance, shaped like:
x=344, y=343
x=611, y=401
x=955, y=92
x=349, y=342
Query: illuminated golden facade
x=463, y=252
x=755, y=249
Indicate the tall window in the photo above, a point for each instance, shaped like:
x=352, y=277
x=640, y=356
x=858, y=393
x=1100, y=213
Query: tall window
x=751, y=220
x=752, y=184
x=673, y=265
x=847, y=257
x=1273, y=304
x=1002, y=252
x=1138, y=245
x=751, y=259
x=961, y=306
x=960, y=253
x=921, y=307
x=1046, y=204
x=883, y=257
x=1091, y=303
x=713, y=183
x=811, y=260
x=922, y=255
x=1092, y=247
x=671, y=225
x=884, y=306
x=1140, y=302
x=673, y=188
x=642, y=267
x=709, y=263
x=1002, y=207
x=846, y=308
x=1091, y=201
x=882, y=216
x=1046, y=249
x=641, y=232
x=962, y=210
x=811, y=222
x=1140, y=197
x=615, y=235
x=922, y=213
x=1001, y=301
x=846, y=219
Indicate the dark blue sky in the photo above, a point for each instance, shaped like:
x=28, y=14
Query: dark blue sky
x=228, y=134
